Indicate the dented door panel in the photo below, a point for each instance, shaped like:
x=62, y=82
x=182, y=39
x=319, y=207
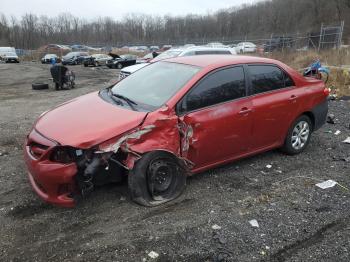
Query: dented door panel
x=216, y=133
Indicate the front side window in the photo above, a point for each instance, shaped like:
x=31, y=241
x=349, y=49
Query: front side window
x=266, y=78
x=221, y=86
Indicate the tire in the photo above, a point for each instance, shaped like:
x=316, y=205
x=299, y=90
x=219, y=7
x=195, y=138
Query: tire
x=40, y=86
x=158, y=177
x=297, y=140
x=85, y=65
x=96, y=64
x=119, y=66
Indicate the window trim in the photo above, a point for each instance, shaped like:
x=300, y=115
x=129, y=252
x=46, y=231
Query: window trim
x=250, y=86
x=181, y=100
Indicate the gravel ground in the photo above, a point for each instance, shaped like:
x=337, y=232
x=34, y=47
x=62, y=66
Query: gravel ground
x=209, y=222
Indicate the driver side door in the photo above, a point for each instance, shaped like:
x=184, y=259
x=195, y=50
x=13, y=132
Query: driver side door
x=215, y=118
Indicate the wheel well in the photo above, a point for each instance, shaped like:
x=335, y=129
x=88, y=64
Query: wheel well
x=311, y=116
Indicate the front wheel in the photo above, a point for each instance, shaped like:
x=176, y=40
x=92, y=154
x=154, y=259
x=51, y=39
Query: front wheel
x=298, y=136
x=119, y=66
x=156, y=178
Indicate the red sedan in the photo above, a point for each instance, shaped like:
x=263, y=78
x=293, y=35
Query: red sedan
x=169, y=120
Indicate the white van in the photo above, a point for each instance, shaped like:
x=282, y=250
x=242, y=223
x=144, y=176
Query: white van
x=8, y=55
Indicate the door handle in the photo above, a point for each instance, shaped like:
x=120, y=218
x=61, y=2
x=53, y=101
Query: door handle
x=293, y=97
x=244, y=111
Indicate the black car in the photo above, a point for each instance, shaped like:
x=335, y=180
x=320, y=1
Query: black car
x=278, y=43
x=121, y=61
x=74, y=58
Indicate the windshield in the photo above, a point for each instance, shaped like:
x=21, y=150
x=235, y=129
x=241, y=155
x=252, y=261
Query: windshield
x=155, y=84
x=167, y=54
x=11, y=54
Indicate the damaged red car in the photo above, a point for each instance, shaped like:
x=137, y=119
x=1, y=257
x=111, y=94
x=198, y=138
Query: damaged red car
x=170, y=120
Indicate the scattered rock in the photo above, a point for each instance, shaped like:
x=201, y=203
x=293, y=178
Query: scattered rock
x=268, y=166
x=153, y=254
x=254, y=223
x=330, y=119
x=337, y=132
x=216, y=227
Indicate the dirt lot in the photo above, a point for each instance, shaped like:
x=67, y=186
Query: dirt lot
x=297, y=220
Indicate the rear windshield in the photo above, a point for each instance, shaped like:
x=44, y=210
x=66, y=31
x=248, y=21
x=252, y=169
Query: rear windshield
x=155, y=84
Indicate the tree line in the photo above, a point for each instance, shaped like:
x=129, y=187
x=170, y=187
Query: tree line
x=253, y=21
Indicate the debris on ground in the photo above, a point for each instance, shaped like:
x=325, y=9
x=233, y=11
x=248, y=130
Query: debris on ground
x=347, y=141
x=326, y=184
x=337, y=132
x=330, y=119
x=216, y=227
x=153, y=254
x=254, y=223
x=4, y=153
x=269, y=166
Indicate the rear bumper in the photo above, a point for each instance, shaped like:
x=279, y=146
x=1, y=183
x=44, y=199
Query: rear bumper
x=320, y=113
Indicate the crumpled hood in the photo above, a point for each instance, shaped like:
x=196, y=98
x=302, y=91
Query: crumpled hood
x=87, y=121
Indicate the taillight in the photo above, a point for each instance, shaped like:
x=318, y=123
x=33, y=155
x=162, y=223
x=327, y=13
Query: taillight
x=326, y=91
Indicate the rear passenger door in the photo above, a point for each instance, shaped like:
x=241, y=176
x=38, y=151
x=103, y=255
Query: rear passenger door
x=274, y=99
x=215, y=118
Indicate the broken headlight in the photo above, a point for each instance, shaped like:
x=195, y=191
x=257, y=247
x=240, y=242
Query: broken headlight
x=65, y=154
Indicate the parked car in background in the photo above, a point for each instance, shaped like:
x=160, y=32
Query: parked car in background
x=147, y=57
x=191, y=51
x=96, y=60
x=84, y=48
x=166, y=47
x=154, y=48
x=7, y=49
x=121, y=61
x=55, y=48
x=74, y=58
x=245, y=47
x=215, y=44
x=156, y=126
x=9, y=57
x=47, y=59
x=278, y=43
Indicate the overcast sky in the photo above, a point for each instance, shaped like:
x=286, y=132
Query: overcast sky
x=90, y=9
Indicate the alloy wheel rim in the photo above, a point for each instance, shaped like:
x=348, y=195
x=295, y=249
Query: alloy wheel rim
x=300, y=135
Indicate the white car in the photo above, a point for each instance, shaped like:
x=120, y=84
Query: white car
x=48, y=57
x=196, y=50
x=245, y=47
x=9, y=57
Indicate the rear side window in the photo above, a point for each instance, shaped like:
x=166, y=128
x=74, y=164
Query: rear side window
x=221, y=86
x=267, y=78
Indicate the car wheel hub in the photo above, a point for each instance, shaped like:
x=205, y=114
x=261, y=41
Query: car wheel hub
x=300, y=135
x=161, y=176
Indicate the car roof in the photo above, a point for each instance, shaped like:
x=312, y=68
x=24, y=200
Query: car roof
x=219, y=60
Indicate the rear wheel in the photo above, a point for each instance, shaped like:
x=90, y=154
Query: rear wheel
x=298, y=136
x=156, y=178
x=119, y=66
